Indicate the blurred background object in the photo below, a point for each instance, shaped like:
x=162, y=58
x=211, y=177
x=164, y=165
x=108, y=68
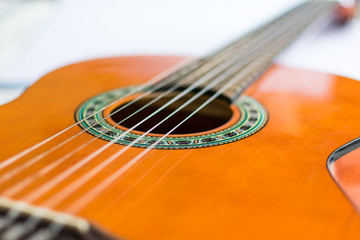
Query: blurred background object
x=20, y=22
x=43, y=35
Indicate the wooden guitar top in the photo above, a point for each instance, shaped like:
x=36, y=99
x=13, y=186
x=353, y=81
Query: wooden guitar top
x=271, y=185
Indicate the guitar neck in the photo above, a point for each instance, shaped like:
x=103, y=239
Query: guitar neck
x=242, y=61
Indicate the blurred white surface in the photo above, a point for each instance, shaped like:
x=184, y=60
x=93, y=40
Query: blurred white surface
x=19, y=20
x=333, y=50
x=85, y=29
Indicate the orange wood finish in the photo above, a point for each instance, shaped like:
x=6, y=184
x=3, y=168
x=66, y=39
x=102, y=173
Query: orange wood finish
x=272, y=185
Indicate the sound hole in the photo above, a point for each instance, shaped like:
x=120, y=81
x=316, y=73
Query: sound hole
x=213, y=115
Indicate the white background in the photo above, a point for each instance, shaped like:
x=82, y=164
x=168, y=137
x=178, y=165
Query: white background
x=77, y=30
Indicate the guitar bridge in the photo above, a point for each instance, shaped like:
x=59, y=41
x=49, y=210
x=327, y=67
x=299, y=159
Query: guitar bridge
x=22, y=221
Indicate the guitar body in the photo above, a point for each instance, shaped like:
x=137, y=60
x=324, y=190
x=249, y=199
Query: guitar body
x=271, y=185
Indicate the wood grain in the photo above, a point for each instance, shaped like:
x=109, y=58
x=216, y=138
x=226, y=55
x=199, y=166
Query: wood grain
x=272, y=185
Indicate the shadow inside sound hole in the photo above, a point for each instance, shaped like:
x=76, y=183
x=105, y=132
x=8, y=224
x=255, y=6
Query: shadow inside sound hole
x=213, y=115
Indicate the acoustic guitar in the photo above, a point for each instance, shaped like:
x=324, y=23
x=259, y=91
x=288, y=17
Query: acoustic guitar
x=152, y=147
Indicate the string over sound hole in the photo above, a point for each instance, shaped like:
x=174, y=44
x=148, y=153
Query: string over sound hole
x=213, y=115
x=245, y=117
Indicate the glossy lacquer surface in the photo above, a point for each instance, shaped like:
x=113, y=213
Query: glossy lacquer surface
x=272, y=185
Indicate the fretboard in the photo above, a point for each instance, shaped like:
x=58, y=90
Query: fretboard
x=234, y=67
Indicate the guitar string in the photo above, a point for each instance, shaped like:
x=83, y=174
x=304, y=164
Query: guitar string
x=34, y=160
x=39, y=157
x=29, y=163
x=27, y=181
x=133, y=184
x=159, y=77
x=9, y=174
x=14, y=216
x=56, y=199
x=133, y=204
x=161, y=84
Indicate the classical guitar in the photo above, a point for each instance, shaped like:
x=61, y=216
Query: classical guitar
x=180, y=148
